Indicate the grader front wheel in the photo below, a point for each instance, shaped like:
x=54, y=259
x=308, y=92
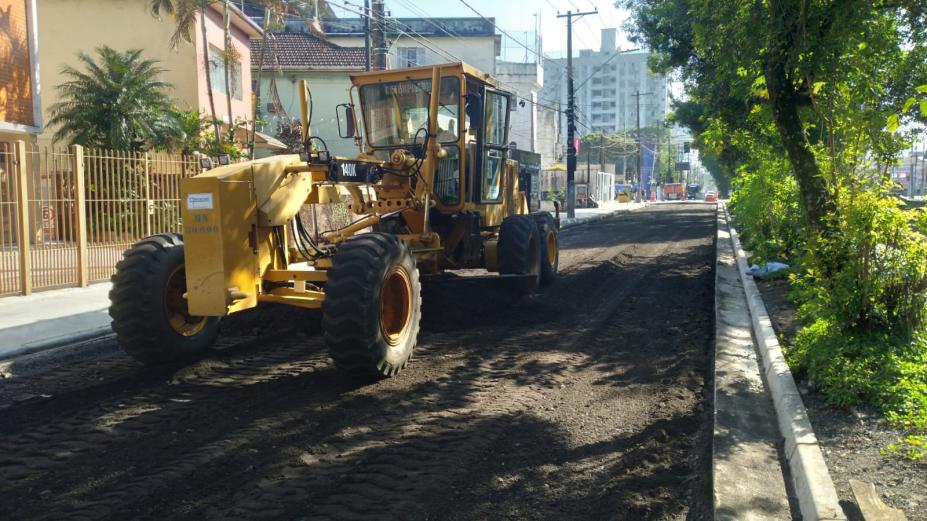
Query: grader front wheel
x=550, y=246
x=372, y=305
x=520, y=248
x=147, y=304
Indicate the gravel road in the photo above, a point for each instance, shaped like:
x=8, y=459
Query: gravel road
x=588, y=400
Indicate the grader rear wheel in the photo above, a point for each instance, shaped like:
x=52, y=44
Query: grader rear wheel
x=372, y=305
x=147, y=304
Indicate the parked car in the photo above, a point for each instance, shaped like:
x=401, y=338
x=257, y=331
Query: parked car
x=711, y=197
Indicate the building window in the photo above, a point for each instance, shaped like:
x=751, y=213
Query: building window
x=411, y=56
x=217, y=73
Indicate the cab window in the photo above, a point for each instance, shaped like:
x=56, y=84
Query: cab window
x=495, y=120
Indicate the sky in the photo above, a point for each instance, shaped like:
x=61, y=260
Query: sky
x=515, y=16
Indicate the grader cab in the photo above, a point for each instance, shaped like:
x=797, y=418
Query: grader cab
x=432, y=189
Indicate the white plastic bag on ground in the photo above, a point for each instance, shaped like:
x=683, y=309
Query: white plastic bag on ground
x=766, y=269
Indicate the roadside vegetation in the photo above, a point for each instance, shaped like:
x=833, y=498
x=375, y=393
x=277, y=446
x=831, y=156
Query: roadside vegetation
x=803, y=107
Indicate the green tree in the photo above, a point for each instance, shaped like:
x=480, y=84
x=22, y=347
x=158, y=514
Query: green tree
x=820, y=71
x=116, y=102
x=802, y=105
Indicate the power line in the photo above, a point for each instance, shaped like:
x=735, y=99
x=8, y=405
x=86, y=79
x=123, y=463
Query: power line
x=604, y=23
x=437, y=49
x=532, y=51
x=585, y=21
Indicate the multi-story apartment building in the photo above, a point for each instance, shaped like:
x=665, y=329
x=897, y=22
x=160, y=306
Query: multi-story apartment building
x=605, y=83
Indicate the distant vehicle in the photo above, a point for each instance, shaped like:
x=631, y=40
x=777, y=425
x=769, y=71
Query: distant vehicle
x=693, y=190
x=711, y=197
x=674, y=192
x=623, y=192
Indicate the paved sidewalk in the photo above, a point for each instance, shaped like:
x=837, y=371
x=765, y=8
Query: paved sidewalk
x=748, y=480
x=53, y=318
x=593, y=214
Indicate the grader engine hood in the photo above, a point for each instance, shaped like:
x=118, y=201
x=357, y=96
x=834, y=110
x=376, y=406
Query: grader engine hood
x=228, y=216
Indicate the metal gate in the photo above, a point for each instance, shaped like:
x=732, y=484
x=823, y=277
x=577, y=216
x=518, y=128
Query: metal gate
x=81, y=210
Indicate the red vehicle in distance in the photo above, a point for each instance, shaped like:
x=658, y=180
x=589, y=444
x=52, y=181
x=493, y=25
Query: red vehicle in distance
x=674, y=192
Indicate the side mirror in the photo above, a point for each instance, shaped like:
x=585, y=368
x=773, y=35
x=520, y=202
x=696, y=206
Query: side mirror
x=350, y=128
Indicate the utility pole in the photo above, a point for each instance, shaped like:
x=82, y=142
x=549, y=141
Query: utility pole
x=571, y=114
x=366, y=35
x=669, y=157
x=601, y=151
x=378, y=15
x=640, y=147
x=588, y=161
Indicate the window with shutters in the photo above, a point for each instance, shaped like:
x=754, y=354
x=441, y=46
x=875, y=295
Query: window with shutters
x=411, y=56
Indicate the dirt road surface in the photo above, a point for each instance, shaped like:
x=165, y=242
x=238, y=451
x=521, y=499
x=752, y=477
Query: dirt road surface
x=585, y=401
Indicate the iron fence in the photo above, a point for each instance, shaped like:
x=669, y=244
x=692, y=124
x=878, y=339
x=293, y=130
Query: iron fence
x=66, y=215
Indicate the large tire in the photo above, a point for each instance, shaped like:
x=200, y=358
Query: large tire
x=372, y=306
x=549, y=237
x=150, y=316
x=519, y=249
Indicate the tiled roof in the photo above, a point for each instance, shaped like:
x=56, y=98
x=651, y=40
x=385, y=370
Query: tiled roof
x=304, y=51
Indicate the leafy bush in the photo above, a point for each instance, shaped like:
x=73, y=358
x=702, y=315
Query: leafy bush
x=767, y=212
x=875, y=264
x=864, y=338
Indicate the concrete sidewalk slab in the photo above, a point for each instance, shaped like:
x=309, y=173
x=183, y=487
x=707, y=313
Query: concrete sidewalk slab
x=585, y=215
x=747, y=476
x=51, y=318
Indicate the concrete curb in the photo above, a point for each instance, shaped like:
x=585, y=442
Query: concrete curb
x=817, y=497
x=62, y=341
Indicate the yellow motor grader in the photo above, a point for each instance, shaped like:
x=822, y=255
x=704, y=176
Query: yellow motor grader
x=432, y=189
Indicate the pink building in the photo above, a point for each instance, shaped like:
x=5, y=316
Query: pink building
x=242, y=29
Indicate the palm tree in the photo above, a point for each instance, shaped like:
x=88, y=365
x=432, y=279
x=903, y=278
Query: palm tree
x=118, y=102
x=185, y=13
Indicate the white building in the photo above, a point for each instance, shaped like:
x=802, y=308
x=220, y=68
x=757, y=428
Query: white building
x=605, y=83
x=326, y=67
x=534, y=123
x=426, y=41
